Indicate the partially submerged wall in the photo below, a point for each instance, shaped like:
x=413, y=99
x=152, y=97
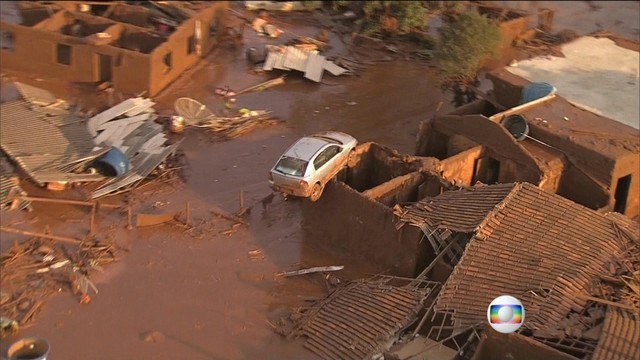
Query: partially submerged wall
x=345, y=220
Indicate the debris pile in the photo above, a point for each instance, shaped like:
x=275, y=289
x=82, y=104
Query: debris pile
x=348, y=324
x=116, y=149
x=36, y=268
x=198, y=115
x=10, y=188
x=137, y=143
x=310, y=63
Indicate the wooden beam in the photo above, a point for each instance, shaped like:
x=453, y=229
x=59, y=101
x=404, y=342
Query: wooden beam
x=41, y=235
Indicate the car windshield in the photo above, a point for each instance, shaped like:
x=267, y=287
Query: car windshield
x=291, y=166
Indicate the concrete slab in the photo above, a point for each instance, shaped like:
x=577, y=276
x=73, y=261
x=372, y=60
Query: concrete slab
x=595, y=74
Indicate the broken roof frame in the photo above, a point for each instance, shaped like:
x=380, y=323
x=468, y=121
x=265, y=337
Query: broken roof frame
x=609, y=229
x=385, y=310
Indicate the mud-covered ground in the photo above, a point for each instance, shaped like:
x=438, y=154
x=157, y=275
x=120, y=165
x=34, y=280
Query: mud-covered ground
x=200, y=290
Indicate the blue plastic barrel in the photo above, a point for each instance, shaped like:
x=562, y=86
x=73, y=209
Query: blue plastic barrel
x=116, y=160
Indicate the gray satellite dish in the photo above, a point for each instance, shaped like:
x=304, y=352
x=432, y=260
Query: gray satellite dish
x=192, y=111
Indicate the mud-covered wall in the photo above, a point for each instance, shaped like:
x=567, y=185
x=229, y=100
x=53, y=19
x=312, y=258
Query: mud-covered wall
x=458, y=169
x=493, y=137
x=399, y=190
x=497, y=346
x=183, y=48
x=576, y=186
x=36, y=52
x=507, y=88
x=628, y=165
x=345, y=220
x=376, y=165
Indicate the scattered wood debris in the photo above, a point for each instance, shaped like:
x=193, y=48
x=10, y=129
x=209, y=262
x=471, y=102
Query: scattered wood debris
x=311, y=270
x=233, y=127
x=35, y=269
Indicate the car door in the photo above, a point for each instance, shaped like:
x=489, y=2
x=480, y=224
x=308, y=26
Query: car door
x=324, y=164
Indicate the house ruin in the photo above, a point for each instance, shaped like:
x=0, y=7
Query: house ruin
x=135, y=49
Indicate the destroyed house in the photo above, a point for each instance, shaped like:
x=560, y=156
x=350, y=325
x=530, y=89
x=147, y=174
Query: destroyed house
x=355, y=212
x=596, y=165
x=601, y=155
x=132, y=48
x=549, y=252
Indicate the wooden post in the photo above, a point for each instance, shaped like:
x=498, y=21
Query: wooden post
x=129, y=226
x=92, y=220
x=186, y=221
x=241, y=202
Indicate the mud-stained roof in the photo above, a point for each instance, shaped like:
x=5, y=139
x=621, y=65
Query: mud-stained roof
x=461, y=210
x=582, y=127
x=45, y=146
x=358, y=320
x=620, y=337
x=537, y=246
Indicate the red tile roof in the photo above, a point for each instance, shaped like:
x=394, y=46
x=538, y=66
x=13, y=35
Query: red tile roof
x=536, y=246
x=620, y=337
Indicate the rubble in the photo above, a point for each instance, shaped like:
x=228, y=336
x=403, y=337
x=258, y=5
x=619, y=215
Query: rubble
x=348, y=325
x=57, y=147
x=35, y=269
x=294, y=58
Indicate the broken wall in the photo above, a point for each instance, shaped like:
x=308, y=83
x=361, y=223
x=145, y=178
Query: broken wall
x=459, y=169
x=191, y=40
x=626, y=166
x=497, y=346
x=402, y=189
x=375, y=165
x=507, y=88
x=515, y=163
x=577, y=186
x=52, y=54
x=344, y=220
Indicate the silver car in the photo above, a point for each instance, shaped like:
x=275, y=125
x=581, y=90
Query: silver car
x=311, y=162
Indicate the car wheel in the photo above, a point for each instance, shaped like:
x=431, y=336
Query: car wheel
x=351, y=158
x=316, y=192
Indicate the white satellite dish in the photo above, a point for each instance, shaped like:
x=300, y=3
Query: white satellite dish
x=192, y=111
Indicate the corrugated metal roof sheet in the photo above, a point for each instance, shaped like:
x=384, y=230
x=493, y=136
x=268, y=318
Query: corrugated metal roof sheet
x=461, y=210
x=537, y=246
x=40, y=147
x=34, y=95
x=291, y=58
x=620, y=337
x=359, y=319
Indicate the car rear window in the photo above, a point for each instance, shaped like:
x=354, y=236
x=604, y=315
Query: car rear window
x=292, y=166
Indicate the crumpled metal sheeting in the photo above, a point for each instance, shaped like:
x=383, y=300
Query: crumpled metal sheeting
x=620, y=337
x=40, y=147
x=460, y=210
x=359, y=319
x=141, y=169
x=537, y=246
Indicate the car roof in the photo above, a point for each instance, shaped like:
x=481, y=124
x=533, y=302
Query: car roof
x=306, y=147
